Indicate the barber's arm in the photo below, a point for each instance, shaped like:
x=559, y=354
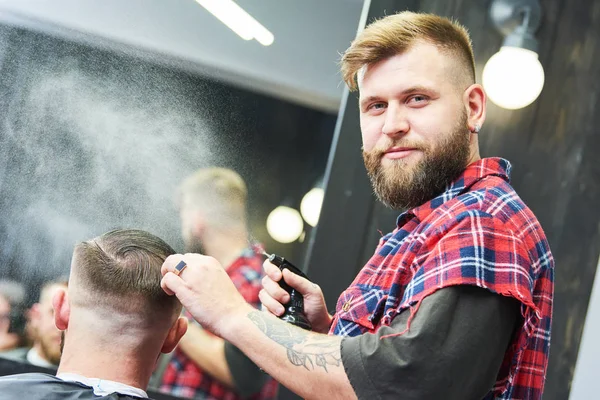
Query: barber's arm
x=222, y=361
x=307, y=363
x=453, y=350
x=319, y=366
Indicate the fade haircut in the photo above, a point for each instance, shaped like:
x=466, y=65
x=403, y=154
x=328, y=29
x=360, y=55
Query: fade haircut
x=219, y=192
x=120, y=271
x=395, y=34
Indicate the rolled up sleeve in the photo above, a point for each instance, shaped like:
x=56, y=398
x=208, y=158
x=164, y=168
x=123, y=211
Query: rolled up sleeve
x=453, y=349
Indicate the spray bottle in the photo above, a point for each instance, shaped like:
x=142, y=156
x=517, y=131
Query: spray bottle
x=294, y=309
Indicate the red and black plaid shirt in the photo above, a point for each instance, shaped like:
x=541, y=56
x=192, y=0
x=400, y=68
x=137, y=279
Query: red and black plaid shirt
x=478, y=232
x=184, y=378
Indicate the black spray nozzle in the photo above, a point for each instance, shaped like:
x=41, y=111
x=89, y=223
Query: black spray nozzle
x=282, y=263
x=294, y=309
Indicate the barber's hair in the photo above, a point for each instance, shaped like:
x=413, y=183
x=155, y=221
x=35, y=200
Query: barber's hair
x=395, y=34
x=121, y=270
x=219, y=192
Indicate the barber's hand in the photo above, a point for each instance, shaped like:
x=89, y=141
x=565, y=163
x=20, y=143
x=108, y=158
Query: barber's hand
x=205, y=290
x=274, y=296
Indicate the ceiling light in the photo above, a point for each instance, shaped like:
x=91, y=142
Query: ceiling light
x=285, y=224
x=310, y=207
x=238, y=20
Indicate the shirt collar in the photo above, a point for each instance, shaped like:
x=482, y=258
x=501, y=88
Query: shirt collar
x=103, y=387
x=34, y=358
x=472, y=174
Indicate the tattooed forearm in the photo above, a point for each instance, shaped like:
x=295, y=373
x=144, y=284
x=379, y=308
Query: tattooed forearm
x=305, y=349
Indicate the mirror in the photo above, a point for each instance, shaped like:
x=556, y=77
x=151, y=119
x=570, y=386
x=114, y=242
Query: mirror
x=106, y=108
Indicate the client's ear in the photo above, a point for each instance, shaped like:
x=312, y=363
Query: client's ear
x=175, y=334
x=62, y=309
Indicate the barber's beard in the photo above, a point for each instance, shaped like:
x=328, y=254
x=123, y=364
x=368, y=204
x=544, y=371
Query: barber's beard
x=50, y=350
x=401, y=187
x=194, y=245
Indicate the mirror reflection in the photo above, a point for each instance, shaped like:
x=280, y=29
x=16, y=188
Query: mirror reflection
x=115, y=116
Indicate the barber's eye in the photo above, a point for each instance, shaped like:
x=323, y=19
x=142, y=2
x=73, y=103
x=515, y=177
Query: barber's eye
x=418, y=100
x=377, y=106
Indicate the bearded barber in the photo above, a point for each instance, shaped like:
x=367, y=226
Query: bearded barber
x=456, y=302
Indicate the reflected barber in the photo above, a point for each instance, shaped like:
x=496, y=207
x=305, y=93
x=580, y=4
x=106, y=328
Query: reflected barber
x=456, y=302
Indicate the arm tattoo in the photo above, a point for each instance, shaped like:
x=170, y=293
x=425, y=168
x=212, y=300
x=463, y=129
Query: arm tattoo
x=304, y=349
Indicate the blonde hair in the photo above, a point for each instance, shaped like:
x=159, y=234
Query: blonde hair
x=220, y=192
x=396, y=33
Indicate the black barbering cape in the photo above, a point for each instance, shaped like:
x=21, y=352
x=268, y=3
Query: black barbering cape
x=36, y=386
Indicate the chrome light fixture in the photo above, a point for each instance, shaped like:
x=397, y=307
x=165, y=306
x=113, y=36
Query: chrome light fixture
x=514, y=77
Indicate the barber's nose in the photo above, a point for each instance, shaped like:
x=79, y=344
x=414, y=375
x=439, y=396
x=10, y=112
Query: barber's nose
x=396, y=123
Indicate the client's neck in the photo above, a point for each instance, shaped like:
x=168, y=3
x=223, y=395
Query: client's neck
x=112, y=357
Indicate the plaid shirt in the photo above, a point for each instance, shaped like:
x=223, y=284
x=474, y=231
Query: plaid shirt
x=478, y=232
x=184, y=378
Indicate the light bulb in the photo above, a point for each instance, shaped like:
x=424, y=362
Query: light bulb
x=284, y=224
x=513, y=77
x=310, y=207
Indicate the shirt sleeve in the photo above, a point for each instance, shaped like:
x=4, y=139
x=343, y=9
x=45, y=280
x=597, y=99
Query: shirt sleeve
x=453, y=348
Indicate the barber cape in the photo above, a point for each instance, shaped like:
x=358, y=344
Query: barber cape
x=478, y=232
x=36, y=386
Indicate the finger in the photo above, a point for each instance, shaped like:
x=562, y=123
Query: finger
x=174, y=285
x=274, y=290
x=167, y=290
x=170, y=263
x=272, y=271
x=270, y=304
x=304, y=286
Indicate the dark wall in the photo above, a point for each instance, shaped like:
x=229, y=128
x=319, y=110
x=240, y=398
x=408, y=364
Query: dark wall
x=91, y=140
x=553, y=145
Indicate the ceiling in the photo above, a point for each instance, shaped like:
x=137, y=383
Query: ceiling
x=300, y=66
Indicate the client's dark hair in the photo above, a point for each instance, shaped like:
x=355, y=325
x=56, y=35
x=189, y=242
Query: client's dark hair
x=122, y=268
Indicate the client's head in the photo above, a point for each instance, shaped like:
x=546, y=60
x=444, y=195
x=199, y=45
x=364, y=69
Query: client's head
x=114, y=304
